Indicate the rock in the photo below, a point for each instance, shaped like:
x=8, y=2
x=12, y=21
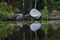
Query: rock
x=19, y=17
x=12, y=18
x=54, y=15
x=27, y=17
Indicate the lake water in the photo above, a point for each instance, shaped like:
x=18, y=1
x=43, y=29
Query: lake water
x=49, y=30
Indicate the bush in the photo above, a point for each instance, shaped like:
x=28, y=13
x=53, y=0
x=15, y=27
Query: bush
x=5, y=14
x=5, y=7
x=45, y=13
x=5, y=11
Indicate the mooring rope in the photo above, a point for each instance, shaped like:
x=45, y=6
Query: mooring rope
x=35, y=3
x=23, y=4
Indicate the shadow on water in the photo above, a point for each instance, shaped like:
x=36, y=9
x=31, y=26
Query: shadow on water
x=49, y=30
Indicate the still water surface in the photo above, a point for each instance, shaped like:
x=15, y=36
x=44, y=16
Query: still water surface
x=49, y=30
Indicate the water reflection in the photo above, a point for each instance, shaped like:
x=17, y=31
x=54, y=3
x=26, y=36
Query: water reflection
x=54, y=23
x=49, y=30
x=34, y=27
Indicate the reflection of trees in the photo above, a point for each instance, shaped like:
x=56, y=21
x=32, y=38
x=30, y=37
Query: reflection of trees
x=56, y=25
x=53, y=32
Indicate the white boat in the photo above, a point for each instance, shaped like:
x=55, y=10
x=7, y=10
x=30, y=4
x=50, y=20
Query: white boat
x=35, y=13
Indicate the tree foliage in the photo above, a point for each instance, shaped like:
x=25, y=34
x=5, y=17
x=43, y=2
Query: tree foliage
x=5, y=11
x=45, y=13
x=54, y=4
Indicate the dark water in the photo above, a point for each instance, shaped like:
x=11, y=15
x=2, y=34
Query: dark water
x=49, y=30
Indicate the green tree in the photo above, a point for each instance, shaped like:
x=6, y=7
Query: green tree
x=5, y=11
x=45, y=13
